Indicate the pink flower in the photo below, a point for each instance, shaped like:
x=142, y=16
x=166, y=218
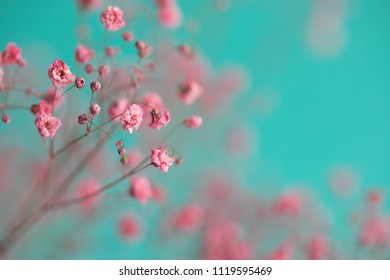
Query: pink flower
x=104, y=70
x=170, y=16
x=290, y=203
x=143, y=49
x=189, y=92
x=161, y=159
x=89, y=4
x=84, y=54
x=132, y=118
x=60, y=75
x=11, y=55
x=193, y=122
x=112, y=18
x=80, y=82
x=117, y=108
x=47, y=125
x=140, y=189
x=127, y=36
x=129, y=227
x=189, y=218
x=159, y=119
x=5, y=119
x=95, y=86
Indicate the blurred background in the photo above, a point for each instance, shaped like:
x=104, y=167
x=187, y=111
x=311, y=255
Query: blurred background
x=292, y=159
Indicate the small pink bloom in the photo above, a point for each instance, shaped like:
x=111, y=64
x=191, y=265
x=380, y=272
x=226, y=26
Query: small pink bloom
x=44, y=106
x=117, y=108
x=317, y=248
x=159, y=119
x=161, y=159
x=60, y=75
x=189, y=92
x=110, y=51
x=127, y=36
x=89, y=4
x=84, y=54
x=193, y=122
x=5, y=119
x=80, y=82
x=144, y=50
x=290, y=203
x=375, y=232
x=95, y=86
x=185, y=50
x=120, y=146
x=112, y=18
x=86, y=189
x=94, y=109
x=374, y=197
x=11, y=55
x=83, y=119
x=132, y=118
x=104, y=70
x=47, y=125
x=189, y=218
x=170, y=16
x=129, y=227
x=89, y=68
x=140, y=189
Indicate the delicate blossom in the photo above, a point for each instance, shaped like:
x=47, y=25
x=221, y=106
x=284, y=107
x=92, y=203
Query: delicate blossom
x=60, y=75
x=161, y=159
x=80, y=82
x=141, y=189
x=11, y=55
x=84, y=54
x=132, y=118
x=112, y=18
x=47, y=125
x=189, y=92
x=95, y=86
x=159, y=119
x=193, y=122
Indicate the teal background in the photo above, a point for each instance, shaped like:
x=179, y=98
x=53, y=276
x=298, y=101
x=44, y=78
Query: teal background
x=329, y=110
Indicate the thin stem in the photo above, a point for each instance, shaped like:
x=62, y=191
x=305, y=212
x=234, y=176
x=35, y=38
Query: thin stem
x=68, y=89
x=84, y=135
x=78, y=200
x=170, y=133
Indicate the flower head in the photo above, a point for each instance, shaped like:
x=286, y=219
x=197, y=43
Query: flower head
x=84, y=54
x=141, y=189
x=11, y=55
x=193, y=122
x=60, y=75
x=132, y=118
x=47, y=125
x=112, y=18
x=161, y=159
x=189, y=92
x=159, y=119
